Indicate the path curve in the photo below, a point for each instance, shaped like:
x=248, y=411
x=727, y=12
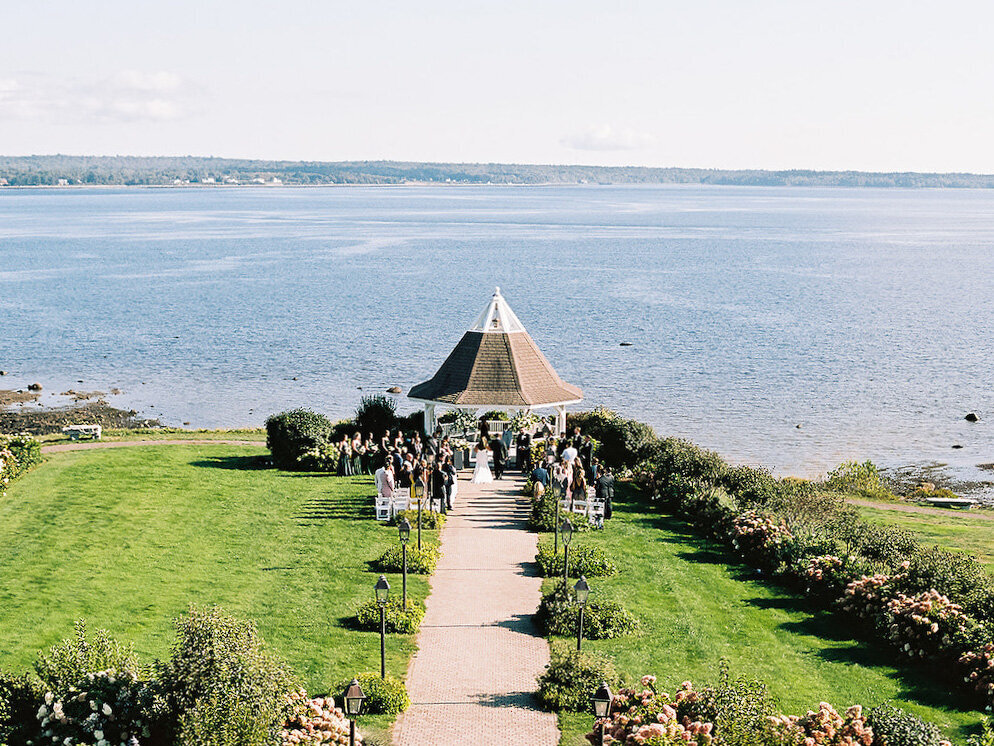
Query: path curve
x=903, y=508
x=59, y=447
x=473, y=677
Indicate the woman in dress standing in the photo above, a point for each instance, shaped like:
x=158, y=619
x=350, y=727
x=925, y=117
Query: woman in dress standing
x=482, y=474
x=344, y=457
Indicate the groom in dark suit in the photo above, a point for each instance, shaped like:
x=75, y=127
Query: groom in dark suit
x=499, y=451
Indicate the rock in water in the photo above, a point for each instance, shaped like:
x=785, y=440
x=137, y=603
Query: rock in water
x=972, y=417
x=394, y=390
x=625, y=344
x=34, y=387
x=957, y=446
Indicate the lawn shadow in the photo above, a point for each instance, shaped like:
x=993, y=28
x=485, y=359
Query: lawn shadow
x=237, y=463
x=331, y=507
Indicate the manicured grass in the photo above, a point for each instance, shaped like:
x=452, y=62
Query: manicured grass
x=697, y=605
x=127, y=538
x=955, y=532
x=165, y=433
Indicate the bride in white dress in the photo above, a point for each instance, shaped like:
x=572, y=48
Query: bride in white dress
x=481, y=474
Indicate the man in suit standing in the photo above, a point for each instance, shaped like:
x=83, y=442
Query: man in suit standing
x=439, y=486
x=523, y=451
x=499, y=451
x=604, y=489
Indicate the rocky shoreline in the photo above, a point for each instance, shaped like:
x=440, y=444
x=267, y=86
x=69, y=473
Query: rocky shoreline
x=17, y=415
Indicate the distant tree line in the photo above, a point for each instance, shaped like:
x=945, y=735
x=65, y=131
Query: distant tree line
x=53, y=170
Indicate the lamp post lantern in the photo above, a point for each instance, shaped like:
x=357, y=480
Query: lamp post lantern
x=601, y=702
x=352, y=701
x=382, y=590
x=404, y=529
x=566, y=529
x=581, y=592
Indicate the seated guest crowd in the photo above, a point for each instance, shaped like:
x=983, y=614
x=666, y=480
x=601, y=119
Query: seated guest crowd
x=403, y=461
x=569, y=466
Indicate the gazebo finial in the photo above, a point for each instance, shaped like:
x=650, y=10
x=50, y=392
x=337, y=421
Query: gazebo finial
x=497, y=291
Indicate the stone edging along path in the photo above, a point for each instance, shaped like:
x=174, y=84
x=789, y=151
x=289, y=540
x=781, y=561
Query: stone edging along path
x=473, y=678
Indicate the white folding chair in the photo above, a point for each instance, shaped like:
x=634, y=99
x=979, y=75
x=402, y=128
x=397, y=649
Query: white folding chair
x=383, y=508
x=401, y=502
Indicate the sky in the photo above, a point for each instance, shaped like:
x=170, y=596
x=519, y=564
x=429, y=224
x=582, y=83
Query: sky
x=870, y=85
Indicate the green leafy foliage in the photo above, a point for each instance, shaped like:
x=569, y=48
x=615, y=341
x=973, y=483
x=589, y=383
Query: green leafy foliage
x=383, y=696
x=221, y=687
x=896, y=727
x=558, y=615
x=376, y=413
x=571, y=677
x=623, y=442
x=397, y=619
x=430, y=519
x=740, y=709
x=20, y=697
x=861, y=479
x=290, y=435
x=421, y=561
x=584, y=559
x=68, y=663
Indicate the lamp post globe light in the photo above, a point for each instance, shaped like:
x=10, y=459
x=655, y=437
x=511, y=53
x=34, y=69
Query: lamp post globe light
x=404, y=529
x=566, y=529
x=353, y=699
x=581, y=592
x=601, y=703
x=382, y=590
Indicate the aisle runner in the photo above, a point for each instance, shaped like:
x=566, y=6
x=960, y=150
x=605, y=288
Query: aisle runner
x=472, y=679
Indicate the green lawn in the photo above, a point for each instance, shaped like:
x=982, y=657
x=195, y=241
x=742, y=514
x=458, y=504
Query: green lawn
x=696, y=605
x=955, y=532
x=128, y=538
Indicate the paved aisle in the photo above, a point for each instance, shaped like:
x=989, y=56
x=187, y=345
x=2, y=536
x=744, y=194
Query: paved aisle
x=472, y=679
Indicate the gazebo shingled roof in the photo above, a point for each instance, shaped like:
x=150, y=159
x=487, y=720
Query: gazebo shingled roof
x=496, y=364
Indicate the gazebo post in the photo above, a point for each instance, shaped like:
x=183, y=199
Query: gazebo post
x=429, y=418
x=560, y=419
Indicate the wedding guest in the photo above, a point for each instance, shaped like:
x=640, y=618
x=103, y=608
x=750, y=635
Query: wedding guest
x=604, y=489
x=452, y=481
x=577, y=439
x=586, y=451
x=358, y=450
x=344, y=457
x=384, y=479
x=386, y=442
x=406, y=473
x=578, y=488
x=570, y=452
x=523, y=451
x=439, y=488
x=541, y=475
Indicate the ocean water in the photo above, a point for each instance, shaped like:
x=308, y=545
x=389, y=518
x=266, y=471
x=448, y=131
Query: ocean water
x=866, y=316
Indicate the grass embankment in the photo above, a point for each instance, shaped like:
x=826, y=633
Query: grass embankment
x=128, y=538
x=697, y=604
x=959, y=531
x=163, y=433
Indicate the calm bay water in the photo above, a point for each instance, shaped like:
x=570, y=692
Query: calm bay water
x=866, y=316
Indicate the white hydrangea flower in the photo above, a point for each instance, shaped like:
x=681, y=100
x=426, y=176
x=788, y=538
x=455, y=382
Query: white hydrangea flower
x=98, y=734
x=106, y=710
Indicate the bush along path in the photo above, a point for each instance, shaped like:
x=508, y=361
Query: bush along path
x=473, y=677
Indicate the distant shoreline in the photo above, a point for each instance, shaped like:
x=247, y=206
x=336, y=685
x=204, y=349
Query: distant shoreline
x=168, y=171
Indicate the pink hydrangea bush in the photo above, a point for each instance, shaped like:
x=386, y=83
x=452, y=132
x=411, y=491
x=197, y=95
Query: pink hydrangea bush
x=759, y=538
x=318, y=723
x=979, y=671
x=643, y=717
x=824, y=727
x=925, y=625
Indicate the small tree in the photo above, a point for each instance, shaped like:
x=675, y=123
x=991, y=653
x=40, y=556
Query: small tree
x=376, y=413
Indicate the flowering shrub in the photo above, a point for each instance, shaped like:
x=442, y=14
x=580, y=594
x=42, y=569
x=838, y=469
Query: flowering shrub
x=367, y=616
x=105, y=708
x=759, y=538
x=68, y=663
x=824, y=727
x=420, y=561
x=18, y=453
x=867, y=597
x=383, y=696
x=320, y=723
x=979, y=670
x=322, y=457
x=643, y=716
x=19, y=700
x=926, y=624
x=895, y=727
x=430, y=519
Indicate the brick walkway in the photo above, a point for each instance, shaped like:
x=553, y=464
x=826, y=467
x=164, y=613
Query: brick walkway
x=472, y=679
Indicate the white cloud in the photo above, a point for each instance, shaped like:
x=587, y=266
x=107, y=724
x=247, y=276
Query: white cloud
x=606, y=137
x=128, y=95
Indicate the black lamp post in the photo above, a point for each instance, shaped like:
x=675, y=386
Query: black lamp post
x=418, y=492
x=352, y=701
x=554, y=488
x=382, y=589
x=566, y=529
x=581, y=592
x=405, y=536
x=601, y=702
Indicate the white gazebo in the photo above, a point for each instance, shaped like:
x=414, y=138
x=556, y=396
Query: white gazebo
x=496, y=365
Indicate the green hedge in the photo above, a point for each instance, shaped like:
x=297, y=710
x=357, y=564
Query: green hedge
x=367, y=616
x=383, y=696
x=895, y=727
x=419, y=561
x=584, y=559
x=430, y=520
x=291, y=436
x=558, y=615
x=571, y=677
